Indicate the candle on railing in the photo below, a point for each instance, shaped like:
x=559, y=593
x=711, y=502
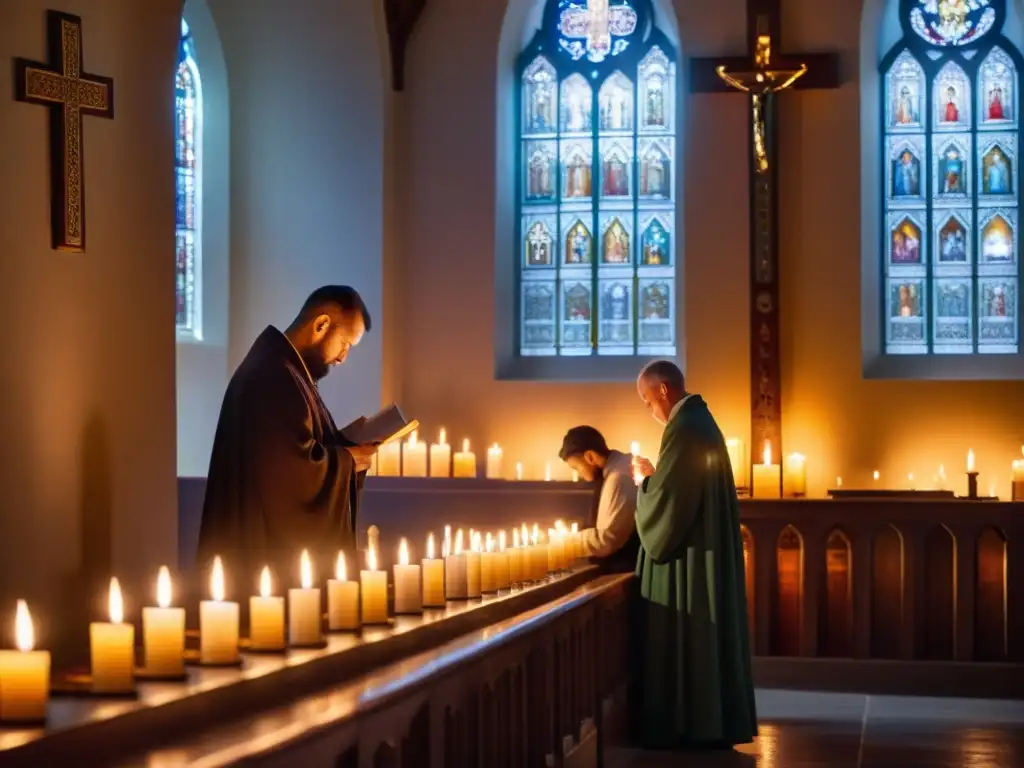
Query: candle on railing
x=875, y=477
x=305, y=616
x=540, y=555
x=972, y=476
x=266, y=617
x=501, y=563
x=374, y=591
x=1017, y=478
x=553, y=564
x=112, y=648
x=766, y=476
x=941, y=481
x=24, y=674
x=577, y=542
x=389, y=459
x=547, y=472
x=414, y=457
x=839, y=482
x=738, y=460
x=473, y=565
x=494, y=460
x=575, y=476
x=519, y=470
x=342, y=599
x=795, y=477
x=441, y=457
x=433, y=577
x=455, y=579
x=910, y=481
x=515, y=559
x=464, y=462
x=163, y=632
x=218, y=623
x=488, y=574
x=408, y=594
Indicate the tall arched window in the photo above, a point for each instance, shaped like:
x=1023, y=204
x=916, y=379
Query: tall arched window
x=596, y=194
x=188, y=110
x=950, y=251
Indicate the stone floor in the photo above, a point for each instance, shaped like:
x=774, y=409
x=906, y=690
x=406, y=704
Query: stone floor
x=842, y=730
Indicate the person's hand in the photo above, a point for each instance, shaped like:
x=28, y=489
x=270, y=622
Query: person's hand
x=642, y=468
x=362, y=455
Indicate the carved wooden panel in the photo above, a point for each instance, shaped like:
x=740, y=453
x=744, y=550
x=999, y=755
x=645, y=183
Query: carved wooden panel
x=789, y=593
x=887, y=594
x=939, y=595
x=837, y=618
x=990, y=597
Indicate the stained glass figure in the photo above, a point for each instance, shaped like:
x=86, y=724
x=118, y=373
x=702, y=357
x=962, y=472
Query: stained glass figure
x=187, y=159
x=596, y=173
x=950, y=249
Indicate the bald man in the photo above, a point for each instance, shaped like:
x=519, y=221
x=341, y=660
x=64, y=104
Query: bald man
x=695, y=654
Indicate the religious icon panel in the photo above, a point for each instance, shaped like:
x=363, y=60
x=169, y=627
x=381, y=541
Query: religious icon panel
x=538, y=241
x=997, y=313
x=655, y=170
x=576, y=314
x=951, y=162
x=616, y=168
x=538, y=313
x=187, y=159
x=578, y=242
x=953, y=316
x=906, y=305
x=656, y=321
x=997, y=167
x=615, y=104
x=540, y=87
x=539, y=167
x=656, y=240
x=997, y=91
x=997, y=238
x=951, y=95
x=906, y=184
x=577, y=105
x=576, y=170
x=906, y=239
x=952, y=22
x=952, y=243
x=615, y=314
x=657, y=78
x=905, y=88
x=615, y=239
x=595, y=29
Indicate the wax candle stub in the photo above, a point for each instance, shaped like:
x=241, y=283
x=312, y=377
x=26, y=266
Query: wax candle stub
x=24, y=674
x=163, y=632
x=112, y=646
x=766, y=478
x=495, y=457
x=464, y=462
x=266, y=617
x=440, y=457
x=374, y=591
x=408, y=593
x=218, y=623
x=414, y=457
x=342, y=599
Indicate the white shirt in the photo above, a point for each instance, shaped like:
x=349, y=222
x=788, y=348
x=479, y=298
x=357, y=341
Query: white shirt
x=615, y=511
x=677, y=407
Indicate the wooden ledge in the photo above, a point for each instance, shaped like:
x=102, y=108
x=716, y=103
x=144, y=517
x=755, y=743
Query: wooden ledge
x=455, y=485
x=89, y=732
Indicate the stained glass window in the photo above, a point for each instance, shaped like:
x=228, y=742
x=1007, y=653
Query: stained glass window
x=596, y=200
x=950, y=251
x=188, y=181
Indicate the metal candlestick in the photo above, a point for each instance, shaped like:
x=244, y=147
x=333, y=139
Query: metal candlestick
x=972, y=485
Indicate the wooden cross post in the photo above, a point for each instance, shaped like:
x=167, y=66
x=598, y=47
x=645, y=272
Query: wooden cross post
x=70, y=93
x=761, y=76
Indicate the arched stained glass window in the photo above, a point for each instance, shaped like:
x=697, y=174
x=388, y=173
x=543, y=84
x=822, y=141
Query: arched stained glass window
x=188, y=106
x=950, y=250
x=596, y=202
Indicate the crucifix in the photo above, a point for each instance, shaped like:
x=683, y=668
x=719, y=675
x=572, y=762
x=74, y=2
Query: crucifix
x=69, y=93
x=761, y=77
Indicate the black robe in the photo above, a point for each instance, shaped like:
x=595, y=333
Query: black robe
x=280, y=479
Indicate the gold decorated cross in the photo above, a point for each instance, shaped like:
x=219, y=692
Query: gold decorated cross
x=69, y=93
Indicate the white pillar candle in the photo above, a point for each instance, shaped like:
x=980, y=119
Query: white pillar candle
x=547, y=472
x=24, y=674
x=515, y=559
x=408, y=594
x=1017, y=479
x=494, y=461
x=488, y=572
x=464, y=462
x=414, y=457
x=577, y=542
x=433, y=577
x=555, y=551
x=455, y=577
x=305, y=615
x=971, y=467
x=389, y=459
x=795, y=478
x=342, y=599
x=766, y=477
x=374, y=591
x=540, y=556
x=218, y=623
x=501, y=563
x=519, y=470
x=441, y=458
x=266, y=617
x=163, y=632
x=112, y=648
x=473, y=567
x=738, y=459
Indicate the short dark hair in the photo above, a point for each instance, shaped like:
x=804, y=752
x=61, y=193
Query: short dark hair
x=665, y=372
x=344, y=297
x=579, y=440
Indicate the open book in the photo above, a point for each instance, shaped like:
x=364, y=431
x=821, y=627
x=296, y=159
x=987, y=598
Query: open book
x=385, y=425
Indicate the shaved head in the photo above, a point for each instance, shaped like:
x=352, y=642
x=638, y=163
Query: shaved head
x=661, y=385
x=664, y=372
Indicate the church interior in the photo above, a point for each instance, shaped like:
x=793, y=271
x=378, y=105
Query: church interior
x=812, y=211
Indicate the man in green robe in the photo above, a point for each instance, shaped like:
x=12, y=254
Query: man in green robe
x=694, y=651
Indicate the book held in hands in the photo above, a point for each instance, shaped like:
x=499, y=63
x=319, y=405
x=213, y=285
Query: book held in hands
x=386, y=425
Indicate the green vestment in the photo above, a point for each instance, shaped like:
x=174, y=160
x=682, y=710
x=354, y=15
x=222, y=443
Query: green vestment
x=694, y=663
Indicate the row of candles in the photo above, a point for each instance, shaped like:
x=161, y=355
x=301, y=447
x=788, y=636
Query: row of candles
x=466, y=569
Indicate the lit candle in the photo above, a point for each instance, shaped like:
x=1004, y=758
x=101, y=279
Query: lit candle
x=455, y=580
x=494, y=461
x=875, y=476
x=972, y=476
x=112, y=648
x=940, y=480
x=634, y=450
x=1017, y=478
x=218, y=623
x=796, y=475
x=970, y=461
x=519, y=470
x=464, y=462
x=577, y=542
x=389, y=459
x=540, y=556
x=408, y=596
x=266, y=617
x=910, y=480
x=342, y=599
x=374, y=591
x=414, y=457
x=305, y=615
x=433, y=577
x=766, y=476
x=515, y=559
x=575, y=476
x=738, y=459
x=488, y=574
x=556, y=551
x=547, y=472
x=473, y=566
x=441, y=457
x=163, y=632
x=24, y=674
x=501, y=563
x=839, y=482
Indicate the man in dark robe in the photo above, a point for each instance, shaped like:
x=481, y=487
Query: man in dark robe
x=697, y=688
x=282, y=478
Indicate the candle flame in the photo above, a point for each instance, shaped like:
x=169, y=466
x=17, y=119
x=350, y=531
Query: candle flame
x=305, y=570
x=559, y=526
x=526, y=535
x=441, y=437
x=970, y=460
x=942, y=471
x=536, y=534
x=634, y=448
x=430, y=547
x=24, y=633
x=501, y=541
x=403, y=552
x=519, y=468
x=341, y=568
x=477, y=542
x=163, y=587
x=547, y=472
x=265, y=582
x=116, y=603
x=515, y=537
x=217, y=580
x=839, y=482
x=575, y=528
x=494, y=450
x=876, y=475
x=371, y=559
x=465, y=445
x=458, y=542
x=797, y=458
x=412, y=437
x=767, y=453
x=490, y=543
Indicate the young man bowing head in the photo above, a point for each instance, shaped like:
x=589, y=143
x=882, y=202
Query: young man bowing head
x=282, y=478
x=609, y=537
x=695, y=654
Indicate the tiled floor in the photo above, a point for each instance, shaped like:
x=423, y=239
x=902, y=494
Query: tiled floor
x=841, y=730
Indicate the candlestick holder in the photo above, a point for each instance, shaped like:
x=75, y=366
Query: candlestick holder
x=1017, y=491
x=972, y=485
